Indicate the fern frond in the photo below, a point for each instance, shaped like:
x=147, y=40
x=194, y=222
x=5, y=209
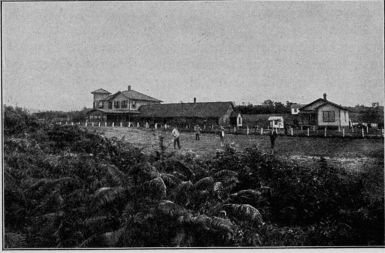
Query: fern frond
x=111, y=238
x=171, y=209
x=14, y=240
x=202, y=220
x=106, y=195
x=204, y=183
x=158, y=187
x=186, y=170
x=178, y=175
x=225, y=174
x=170, y=180
x=117, y=176
x=47, y=184
x=94, y=220
x=185, y=186
x=222, y=224
x=249, y=194
x=245, y=212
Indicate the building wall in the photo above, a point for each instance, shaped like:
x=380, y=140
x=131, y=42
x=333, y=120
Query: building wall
x=341, y=116
x=130, y=103
x=98, y=97
x=97, y=116
x=225, y=119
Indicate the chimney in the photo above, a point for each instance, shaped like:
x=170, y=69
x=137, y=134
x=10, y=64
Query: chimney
x=129, y=87
x=195, y=100
x=325, y=96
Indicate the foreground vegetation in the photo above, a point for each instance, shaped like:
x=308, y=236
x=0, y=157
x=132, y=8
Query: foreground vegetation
x=67, y=187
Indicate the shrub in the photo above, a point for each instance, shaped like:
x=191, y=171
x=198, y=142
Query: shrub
x=67, y=187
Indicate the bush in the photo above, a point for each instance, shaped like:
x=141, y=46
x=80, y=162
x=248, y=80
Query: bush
x=67, y=187
x=18, y=120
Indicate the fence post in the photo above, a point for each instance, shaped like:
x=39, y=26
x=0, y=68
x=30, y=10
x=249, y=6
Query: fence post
x=113, y=124
x=308, y=131
x=325, y=131
x=363, y=133
x=105, y=123
x=247, y=130
x=99, y=124
x=367, y=129
x=261, y=130
x=343, y=132
x=235, y=129
x=292, y=131
x=121, y=124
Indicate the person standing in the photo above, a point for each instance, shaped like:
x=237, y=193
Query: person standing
x=222, y=135
x=175, y=133
x=273, y=136
x=197, y=132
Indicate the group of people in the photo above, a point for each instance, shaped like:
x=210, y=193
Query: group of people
x=176, y=134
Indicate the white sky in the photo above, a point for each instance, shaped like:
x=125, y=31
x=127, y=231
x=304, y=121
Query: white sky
x=56, y=53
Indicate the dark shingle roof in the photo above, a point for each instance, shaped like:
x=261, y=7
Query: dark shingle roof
x=134, y=95
x=188, y=110
x=113, y=111
x=303, y=108
x=102, y=91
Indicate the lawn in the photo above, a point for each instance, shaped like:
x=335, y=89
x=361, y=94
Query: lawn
x=352, y=154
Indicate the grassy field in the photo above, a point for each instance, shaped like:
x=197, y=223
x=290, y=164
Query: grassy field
x=352, y=154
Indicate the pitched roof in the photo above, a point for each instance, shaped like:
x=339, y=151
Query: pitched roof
x=113, y=111
x=188, y=110
x=324, y=102
x=102, y=91
x=134, y=95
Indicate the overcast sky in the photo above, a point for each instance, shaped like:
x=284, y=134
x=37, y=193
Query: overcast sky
x=56, y=53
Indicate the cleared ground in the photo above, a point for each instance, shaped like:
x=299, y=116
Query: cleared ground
x=352, y=154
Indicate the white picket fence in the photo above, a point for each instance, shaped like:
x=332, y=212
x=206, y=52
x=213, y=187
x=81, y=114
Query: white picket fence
x=341, y=132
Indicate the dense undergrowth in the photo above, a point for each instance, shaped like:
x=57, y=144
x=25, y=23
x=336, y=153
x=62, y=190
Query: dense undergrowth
x=67, y=187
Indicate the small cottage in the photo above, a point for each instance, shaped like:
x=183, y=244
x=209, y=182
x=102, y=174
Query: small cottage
x=324, y=113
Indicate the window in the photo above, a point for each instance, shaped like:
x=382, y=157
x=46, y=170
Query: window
x=109, y=105
x=100, y=104
x=116, y=104
x=124, y=104
x=328, y=116
x=133, y=104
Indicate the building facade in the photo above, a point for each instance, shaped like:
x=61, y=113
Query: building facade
x=323, y=113
x=130, y=106
x=120, y=106
x=189, y=114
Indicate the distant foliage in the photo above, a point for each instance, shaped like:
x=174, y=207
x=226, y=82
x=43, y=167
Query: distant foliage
x=267, y=107
x=18, y=121
x=67, y=187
